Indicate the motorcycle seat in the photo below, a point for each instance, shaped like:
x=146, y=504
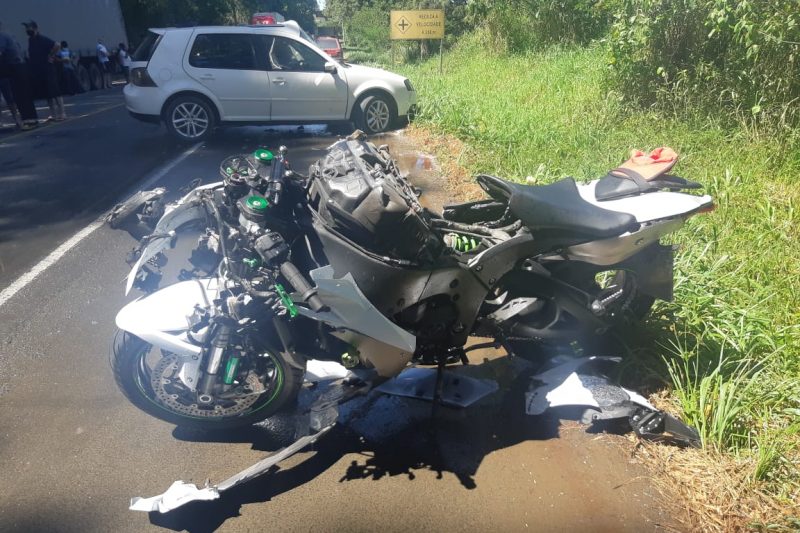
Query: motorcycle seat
x=558, y=206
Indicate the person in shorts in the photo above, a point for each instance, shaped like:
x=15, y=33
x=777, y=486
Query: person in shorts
x=42, y=56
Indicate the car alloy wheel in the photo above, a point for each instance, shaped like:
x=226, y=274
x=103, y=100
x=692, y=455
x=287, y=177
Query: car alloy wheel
x=190, y=120
x=377, y=115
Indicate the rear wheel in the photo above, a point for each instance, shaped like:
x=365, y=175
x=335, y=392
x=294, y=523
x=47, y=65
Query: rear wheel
x=189, y=118
x=150, y=379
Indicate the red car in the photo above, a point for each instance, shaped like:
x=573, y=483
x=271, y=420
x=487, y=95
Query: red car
x=267, y=19
x=331, y=46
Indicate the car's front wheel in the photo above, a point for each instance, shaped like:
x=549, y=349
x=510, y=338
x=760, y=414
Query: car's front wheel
x=189, y=118
x=376, y=114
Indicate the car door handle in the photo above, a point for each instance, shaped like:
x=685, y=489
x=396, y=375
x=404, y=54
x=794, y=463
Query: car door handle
x=207, y=77
x=279, y=81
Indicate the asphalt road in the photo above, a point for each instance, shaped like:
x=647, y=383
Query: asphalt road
x=73, y=450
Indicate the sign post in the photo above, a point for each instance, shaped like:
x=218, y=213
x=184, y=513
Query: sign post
x=416, y=25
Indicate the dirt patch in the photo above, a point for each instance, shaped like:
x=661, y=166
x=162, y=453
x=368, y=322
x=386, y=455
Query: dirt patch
x=449, y=153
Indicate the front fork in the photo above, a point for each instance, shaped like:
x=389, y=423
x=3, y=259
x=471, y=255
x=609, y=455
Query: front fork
x=216, y=353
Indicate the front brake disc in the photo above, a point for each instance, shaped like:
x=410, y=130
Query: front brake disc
x=175, y=396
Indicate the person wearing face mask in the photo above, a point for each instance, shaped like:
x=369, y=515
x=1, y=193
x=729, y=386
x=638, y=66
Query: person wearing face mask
x=42, y=54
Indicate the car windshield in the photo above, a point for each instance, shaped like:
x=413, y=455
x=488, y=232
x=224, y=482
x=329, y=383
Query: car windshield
x=327, y=42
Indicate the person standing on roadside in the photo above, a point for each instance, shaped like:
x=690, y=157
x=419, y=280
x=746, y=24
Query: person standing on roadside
x=125, y=61
x=12, y=69
x=69, y=80
x=8, y=56
x=105, y=67
x=42, y=54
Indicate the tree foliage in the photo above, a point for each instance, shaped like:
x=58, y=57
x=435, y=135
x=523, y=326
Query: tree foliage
x=140, y=15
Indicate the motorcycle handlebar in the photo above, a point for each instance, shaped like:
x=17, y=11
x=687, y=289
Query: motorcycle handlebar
x=299, y=284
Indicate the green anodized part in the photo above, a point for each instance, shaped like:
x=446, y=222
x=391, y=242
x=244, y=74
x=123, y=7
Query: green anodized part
x=463, y=243
x=257, y=203
x=286, y=300
x=230, y=370
x=264, y=156
x=350, y=358
x=252, y=262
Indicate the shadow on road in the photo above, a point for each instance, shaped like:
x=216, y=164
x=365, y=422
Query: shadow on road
x=389, y=436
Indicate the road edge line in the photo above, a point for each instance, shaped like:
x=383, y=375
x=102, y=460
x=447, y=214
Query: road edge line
x=52, y=258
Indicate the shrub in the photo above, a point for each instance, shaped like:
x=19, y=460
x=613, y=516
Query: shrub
x=738, y=54
x=518, y=25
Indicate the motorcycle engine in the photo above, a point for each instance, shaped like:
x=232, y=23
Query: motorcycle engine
x=255, y=205
x=359, y=192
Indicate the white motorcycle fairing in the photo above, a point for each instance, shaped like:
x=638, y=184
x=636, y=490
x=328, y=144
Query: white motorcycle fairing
x=176, y=214
x=163, y=318
x=650, y=206
x=658, y=213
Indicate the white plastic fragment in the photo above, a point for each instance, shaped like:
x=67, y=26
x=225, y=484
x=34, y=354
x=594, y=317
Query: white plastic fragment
x=639, y=399
x=570, y=392
x=562, y=386
x=322, y=370
x=179, y=493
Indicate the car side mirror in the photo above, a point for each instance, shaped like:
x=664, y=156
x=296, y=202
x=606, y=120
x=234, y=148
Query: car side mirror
x=330, y=67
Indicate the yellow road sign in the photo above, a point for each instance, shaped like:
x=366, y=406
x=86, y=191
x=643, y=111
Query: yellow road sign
x=418, y=24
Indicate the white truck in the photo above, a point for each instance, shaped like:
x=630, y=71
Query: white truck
x=79, y=22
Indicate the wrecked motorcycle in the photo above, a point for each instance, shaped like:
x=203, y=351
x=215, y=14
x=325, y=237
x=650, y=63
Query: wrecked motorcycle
x=346, y=265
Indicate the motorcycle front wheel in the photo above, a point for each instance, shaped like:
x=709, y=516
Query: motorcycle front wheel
x=148, y=378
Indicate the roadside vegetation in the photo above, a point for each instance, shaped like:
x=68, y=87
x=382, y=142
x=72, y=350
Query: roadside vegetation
x=541, y=90
x=140, y=15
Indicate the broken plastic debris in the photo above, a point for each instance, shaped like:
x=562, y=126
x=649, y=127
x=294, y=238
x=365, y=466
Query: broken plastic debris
x=568, y=384
x=457, y=389
x=179, y=493
x=321, y=370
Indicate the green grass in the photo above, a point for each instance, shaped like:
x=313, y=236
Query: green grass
x=728, y=347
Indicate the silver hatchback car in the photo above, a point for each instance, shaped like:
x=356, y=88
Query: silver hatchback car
x=195, y=79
